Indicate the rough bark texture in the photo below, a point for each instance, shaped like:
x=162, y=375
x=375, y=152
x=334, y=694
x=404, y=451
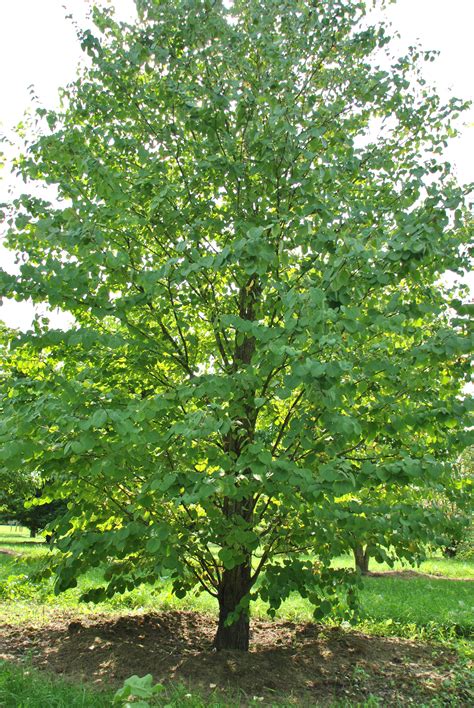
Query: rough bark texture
x=361, y=558
x=234, y=586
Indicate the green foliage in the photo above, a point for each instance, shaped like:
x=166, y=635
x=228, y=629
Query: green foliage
x=465, y=539
x=465, y=549
x=21, y=502
x=21, y=487
x=17, y=587
x=254, y=273
x=136, y=687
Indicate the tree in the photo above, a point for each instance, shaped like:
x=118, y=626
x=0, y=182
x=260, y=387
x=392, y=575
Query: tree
x=392, y=519
x=254, y=272
x=458, y=508
x=404, y=522
x=20, y=501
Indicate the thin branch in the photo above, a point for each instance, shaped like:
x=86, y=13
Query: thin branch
x=287, y=420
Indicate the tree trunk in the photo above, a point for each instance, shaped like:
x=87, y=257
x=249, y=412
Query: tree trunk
x=451, y=551
x=32, y=533
x=234, y=587
x=235, y=584
x=361, y=558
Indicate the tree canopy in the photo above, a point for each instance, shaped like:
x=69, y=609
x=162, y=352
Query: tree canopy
x=250, y=221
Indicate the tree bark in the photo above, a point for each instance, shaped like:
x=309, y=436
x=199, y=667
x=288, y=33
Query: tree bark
x=234, y=587
x=361, y=558
x=235, y=584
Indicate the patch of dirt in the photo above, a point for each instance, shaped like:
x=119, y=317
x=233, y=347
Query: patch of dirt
x=9, y=552
x=305, y=663
x=408, y=574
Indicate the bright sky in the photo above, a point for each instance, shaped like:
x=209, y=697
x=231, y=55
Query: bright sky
x=38, y=46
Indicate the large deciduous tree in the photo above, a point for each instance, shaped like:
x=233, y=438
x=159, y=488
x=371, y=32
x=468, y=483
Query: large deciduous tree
x=251, y=218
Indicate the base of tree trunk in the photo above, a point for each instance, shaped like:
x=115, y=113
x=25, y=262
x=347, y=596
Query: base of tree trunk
x=234, y=636
x=361, y=558
x=234, y=587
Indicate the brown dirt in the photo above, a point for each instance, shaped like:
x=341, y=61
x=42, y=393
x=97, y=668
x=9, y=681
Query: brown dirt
x=409, y=574
x=305, y=663
x=9, y=552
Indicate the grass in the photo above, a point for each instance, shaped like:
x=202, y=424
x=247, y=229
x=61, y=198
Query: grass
x=25, y=687
x=15, y=537
x=419, y=601
x=22, y=687
x=439, y=605
x=436, y=565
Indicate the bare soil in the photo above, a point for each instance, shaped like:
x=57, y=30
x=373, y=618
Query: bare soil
x=410, y=574
x=306, y=664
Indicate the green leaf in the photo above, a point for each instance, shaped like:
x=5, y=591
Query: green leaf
x=98, y=418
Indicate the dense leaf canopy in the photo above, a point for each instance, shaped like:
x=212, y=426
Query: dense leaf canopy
x=250, y=221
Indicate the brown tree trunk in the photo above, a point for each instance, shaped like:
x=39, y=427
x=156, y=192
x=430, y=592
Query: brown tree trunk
x=235, y=584
x=234, y=587
x=361, y=558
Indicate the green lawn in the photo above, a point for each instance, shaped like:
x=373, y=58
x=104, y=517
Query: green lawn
x=17, y=538
x=436, y=565
x=24, y=687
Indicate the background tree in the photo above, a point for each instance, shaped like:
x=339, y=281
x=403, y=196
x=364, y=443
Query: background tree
x=21, y=502
x=458, y=508
x=254, y=272
x=391, y=520
x=404, y=523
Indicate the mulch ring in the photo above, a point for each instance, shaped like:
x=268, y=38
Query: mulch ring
x=306, y=663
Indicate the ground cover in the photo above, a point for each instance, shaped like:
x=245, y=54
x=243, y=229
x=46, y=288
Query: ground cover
x=302, y=662
x=412, y=643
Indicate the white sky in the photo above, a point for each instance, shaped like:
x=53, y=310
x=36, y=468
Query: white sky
x=38, y=46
